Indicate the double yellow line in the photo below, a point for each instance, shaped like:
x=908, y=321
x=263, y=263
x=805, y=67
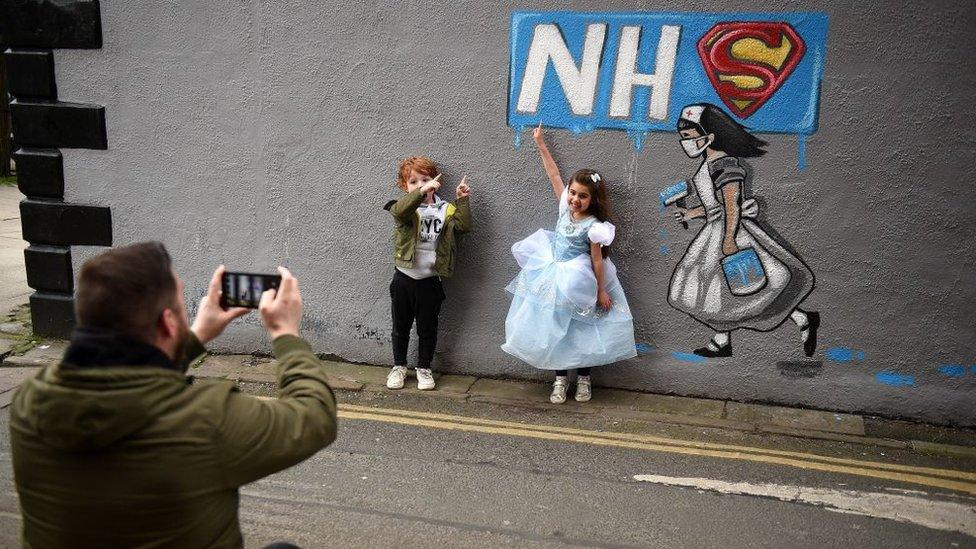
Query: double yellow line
x=961, y=481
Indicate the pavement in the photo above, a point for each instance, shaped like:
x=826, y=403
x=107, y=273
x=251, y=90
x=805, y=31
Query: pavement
x=621, y=405
x=13, y=277
x=14, y=315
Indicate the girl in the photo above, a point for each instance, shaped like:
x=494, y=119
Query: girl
x=699, y=286
x=568, y=308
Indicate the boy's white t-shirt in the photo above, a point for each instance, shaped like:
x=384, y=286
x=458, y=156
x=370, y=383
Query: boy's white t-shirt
x=431, y=219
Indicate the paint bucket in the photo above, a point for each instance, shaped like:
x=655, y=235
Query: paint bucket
x=744, y=272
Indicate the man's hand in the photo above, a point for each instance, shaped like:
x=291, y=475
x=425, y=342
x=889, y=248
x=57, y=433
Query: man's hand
x=211, y=317
x=281, y=310
x=463, y=190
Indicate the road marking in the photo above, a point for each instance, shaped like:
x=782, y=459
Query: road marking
x=925, y=476
x=941, y=515
x=931, y=471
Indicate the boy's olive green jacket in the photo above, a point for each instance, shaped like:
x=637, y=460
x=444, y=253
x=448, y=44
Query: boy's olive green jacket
x=135, y=456
x=407, y=230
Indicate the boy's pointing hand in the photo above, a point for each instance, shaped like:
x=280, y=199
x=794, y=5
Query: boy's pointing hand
x=463, y=190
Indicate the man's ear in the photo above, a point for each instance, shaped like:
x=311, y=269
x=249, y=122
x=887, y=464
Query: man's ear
x=168, y=324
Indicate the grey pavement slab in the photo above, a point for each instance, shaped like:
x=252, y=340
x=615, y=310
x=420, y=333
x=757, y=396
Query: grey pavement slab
x=13, y=277
x=46, y=352
x=797, y=418
x=663, y=404
x=10, y=379
x=621, y=405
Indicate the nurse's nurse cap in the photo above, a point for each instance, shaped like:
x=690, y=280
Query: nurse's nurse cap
x=693, y=113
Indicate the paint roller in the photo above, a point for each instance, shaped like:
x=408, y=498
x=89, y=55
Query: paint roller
x=676, y=194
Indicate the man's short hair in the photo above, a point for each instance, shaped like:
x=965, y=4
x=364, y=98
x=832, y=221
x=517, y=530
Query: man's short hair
x=126, y=289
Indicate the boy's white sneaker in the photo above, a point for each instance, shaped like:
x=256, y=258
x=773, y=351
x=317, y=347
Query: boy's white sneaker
x=558, y=395
x=584, y=390
x=425, y=379
x=394, y=380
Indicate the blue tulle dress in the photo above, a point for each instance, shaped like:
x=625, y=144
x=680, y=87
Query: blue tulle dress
x=554, y=322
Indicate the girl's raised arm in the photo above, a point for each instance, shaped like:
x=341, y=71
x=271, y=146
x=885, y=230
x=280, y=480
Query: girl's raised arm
x=552, y=170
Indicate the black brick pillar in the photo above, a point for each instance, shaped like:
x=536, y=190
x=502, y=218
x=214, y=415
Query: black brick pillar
x=42, y=125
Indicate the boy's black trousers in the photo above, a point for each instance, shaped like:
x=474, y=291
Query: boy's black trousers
x=415, y=299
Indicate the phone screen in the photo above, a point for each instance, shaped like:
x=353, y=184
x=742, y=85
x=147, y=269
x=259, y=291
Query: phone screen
x=245, y=289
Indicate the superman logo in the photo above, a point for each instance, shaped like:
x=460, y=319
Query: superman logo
x=748, y=61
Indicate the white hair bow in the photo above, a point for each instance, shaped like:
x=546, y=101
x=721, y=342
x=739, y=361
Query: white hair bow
x=595, y=177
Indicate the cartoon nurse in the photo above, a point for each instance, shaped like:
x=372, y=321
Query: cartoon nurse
x=734, y=275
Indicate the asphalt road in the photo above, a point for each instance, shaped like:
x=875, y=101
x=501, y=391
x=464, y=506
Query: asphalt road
x=392, y=481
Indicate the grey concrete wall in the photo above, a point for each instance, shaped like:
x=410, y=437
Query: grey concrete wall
x=260, y=133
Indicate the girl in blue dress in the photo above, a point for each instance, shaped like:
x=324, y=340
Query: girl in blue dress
x=568, y=309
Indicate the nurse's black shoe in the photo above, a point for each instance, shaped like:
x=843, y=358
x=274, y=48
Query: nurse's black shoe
x=712, y=350
x=813, y=323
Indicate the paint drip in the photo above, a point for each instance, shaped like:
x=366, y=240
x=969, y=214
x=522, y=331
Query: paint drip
x=801, y=152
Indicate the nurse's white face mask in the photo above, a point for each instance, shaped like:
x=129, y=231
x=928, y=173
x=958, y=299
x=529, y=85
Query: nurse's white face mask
x=690, y=145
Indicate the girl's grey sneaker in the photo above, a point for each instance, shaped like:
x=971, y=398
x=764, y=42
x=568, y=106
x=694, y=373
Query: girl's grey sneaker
x=558, y=395
x=394, y=380
x=584, y=390
x=425, y=379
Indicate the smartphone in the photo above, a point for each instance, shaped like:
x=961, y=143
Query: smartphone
x=245, y=289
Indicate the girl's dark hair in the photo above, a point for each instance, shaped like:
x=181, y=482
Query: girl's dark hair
x=731, y=137
x=599, y=203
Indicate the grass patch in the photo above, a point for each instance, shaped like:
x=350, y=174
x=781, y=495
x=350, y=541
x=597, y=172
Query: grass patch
x=17, y=336
x=8, y=181
x=28, y=343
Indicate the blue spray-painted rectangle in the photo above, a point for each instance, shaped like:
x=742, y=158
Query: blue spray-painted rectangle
x=844, y=354
x=953, y=370
x=792, y=108
x=688, y=357
x=643, y=348
x=894, y=379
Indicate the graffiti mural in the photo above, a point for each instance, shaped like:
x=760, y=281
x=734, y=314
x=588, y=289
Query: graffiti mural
x=642, y=72
x=633, y=71
x=733, y=275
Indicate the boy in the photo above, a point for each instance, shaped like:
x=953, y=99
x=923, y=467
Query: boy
x=424, y=240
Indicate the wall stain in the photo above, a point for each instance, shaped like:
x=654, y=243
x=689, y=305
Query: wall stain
x=796, y=369
x=371, y=333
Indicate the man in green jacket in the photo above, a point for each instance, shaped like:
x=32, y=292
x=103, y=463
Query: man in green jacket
x=117, y=447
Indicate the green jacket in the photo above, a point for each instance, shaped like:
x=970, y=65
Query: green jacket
x=407, y=230
x=139, y=456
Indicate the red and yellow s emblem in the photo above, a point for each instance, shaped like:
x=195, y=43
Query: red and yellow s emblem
x=748, y=61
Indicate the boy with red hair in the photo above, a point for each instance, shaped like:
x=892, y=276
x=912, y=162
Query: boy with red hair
x=424, y=244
